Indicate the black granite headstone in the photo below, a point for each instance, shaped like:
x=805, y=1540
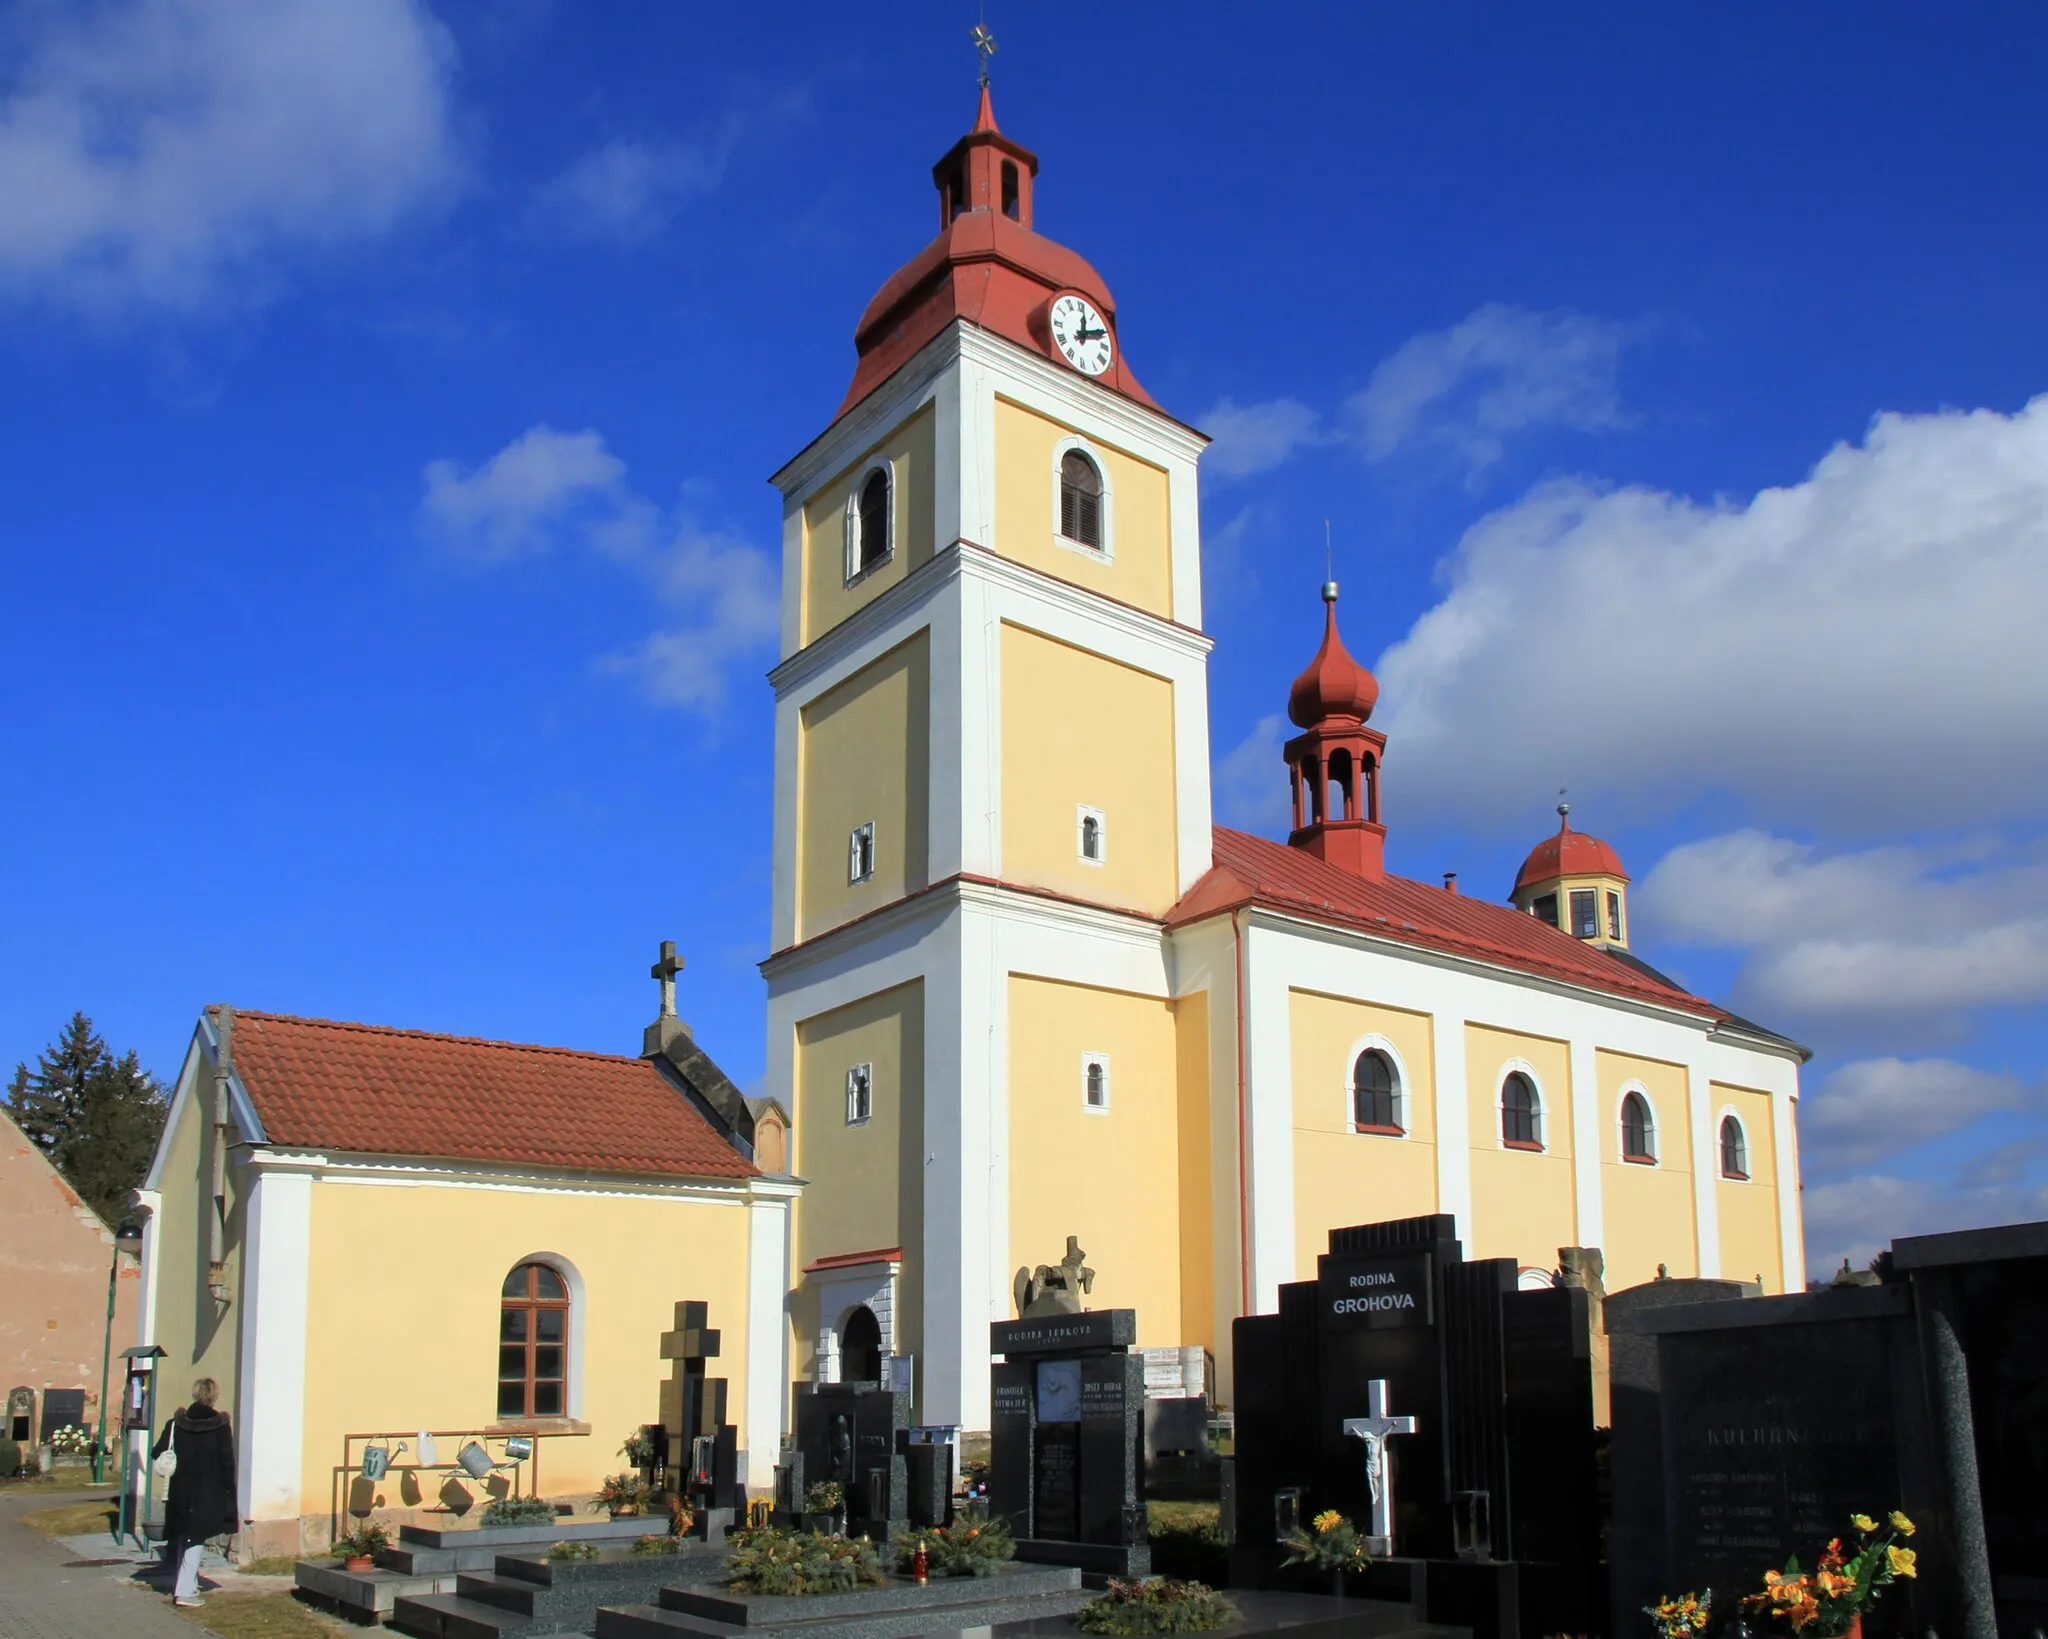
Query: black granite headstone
x=856, y=1435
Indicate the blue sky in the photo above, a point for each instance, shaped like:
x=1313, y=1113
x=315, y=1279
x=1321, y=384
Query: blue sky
x=390, y=391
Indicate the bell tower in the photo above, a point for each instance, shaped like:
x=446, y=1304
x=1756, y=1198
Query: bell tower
x=992, y=784
x=1334, y=762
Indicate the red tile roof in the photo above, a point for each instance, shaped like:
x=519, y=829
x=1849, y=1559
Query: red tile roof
x=1251, y=870
x=369, y=1089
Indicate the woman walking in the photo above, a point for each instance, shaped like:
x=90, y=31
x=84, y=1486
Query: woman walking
x=202, y=1498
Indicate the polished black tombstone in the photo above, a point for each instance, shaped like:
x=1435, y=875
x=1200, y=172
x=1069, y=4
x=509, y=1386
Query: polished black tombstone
x=1496, y=1515
x=1066, y=1459
x=856, y=1435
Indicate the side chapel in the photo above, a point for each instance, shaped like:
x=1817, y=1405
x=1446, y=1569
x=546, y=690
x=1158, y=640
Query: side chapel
x=1023, y=986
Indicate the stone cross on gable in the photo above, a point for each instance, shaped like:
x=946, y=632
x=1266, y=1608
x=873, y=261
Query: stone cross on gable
x=1374, y=1429
x=666, y=970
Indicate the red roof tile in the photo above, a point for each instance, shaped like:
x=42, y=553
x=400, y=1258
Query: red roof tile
x=368, y=1089
x=1252, y=870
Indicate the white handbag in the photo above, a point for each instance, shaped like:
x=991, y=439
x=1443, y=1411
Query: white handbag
x=166, y=1463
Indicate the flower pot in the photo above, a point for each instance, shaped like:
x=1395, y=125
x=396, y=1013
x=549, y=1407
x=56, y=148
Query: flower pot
x=827, y=1522
x=358, y=1562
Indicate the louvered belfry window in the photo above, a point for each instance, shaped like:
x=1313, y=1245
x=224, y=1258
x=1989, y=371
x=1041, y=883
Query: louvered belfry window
x=1080, y=500
x=533, y=1343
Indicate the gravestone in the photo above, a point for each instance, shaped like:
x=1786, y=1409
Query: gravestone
x=62, y=1408
x=1492, y=1500
x=856, y=1436
x=703, y=1448
x=21, y=1415
x=1066, y=1463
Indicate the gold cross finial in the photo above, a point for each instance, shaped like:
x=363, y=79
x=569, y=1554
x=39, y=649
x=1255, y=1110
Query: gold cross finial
x=985, y=44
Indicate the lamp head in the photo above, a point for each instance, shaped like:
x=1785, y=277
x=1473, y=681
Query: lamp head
x=129, y=1233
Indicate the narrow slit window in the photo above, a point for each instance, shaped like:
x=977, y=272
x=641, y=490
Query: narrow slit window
x=1080, y=501
x=1092, y=838
x=1734, y=1149
x=860, y=853
x=1613, y=914
x=860, y=1094
x=1095, y=1082
x=1010, y=205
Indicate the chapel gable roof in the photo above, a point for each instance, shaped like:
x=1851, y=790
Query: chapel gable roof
x=371, y=1089
x=1251, y=870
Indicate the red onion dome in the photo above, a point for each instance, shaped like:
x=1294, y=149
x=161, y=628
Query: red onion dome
x=1334, y=685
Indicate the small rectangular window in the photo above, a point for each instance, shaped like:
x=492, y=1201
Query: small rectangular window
x=1091, y=836
x=1095, y=1083
x=860, y=853
x=1585, y=919
x=1613, y=915
x=860, y=1094
x=1544, y=908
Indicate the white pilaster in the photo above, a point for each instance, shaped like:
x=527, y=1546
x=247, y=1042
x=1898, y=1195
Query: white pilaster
x=767, y=1330
x=1453, y=1122
x=1785, y=1145
x=1269, y=1122
x=1587, y=1137
x=271, y=1409
x=1706, y=1205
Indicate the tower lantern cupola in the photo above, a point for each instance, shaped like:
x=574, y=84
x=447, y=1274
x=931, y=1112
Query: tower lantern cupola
x=986, y=170
x=1335, y=761
x=1575, y=882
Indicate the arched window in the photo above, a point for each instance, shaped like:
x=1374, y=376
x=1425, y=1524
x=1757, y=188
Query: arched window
x=867, y=525
x=1638, y=1129
x=1089, y=822
x=1734, y=1149
x=1375, y=1093
x=1521, y=1113
x=1095, y=1082
x=1080, y=500
x=860, y=1347
x=533, y=1343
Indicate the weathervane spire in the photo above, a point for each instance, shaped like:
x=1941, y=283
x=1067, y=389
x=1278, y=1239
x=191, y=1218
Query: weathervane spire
x=984, y=45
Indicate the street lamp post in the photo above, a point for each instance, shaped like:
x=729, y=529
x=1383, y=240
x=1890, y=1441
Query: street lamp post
x=129, y=1235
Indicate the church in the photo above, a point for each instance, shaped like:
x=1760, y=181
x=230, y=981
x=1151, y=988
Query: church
x=1023, y=986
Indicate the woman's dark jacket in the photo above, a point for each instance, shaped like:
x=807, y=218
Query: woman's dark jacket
x=202, y=1500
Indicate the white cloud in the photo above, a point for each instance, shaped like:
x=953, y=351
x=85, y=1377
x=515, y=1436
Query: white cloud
x=1893, y=939
x=1860, y=650
x=1855, y=1218
x=1254, y=438
x=151, y=151
x=629, y=190
x=547, y=489
x=513, y=502
x=1872, y=1109
x=1500, y=370
x=1251, y=781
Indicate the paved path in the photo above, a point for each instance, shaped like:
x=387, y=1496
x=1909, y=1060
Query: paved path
x=47, y=1593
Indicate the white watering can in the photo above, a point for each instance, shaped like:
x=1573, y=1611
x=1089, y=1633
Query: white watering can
x=377, y=1460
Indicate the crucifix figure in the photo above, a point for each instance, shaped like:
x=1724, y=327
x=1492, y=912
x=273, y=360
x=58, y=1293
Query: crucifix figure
x=1374, y=1430
x=666, y=970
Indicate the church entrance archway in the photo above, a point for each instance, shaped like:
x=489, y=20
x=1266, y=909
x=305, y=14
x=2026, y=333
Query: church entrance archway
x=860, y=1347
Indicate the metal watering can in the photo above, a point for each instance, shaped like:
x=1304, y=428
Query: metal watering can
x=476, y=1462
x=377, y=1460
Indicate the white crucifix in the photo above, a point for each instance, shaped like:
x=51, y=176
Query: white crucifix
x=1374, y=1429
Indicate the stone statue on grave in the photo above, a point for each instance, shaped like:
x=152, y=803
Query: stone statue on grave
x=842, y=1451
x=1054, y=1289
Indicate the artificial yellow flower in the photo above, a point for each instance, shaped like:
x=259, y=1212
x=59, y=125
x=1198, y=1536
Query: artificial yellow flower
x=1328, y=1520
x=1901, y=1524
x=1863, y=1522
x=1901, y=1560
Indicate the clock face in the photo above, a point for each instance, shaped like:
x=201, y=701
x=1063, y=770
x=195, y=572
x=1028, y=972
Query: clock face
x=1081, y=336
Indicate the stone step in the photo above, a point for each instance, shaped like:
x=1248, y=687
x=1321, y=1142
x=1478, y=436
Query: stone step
x=899, y=1593
x=450, y=1616
x=424, y=1550
x=495, y=1588
x=657, y=1622
x=363, y=1596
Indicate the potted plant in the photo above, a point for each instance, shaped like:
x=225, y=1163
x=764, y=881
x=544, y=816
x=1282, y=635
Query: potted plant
x=1331, y=1543
x=623, y=1495
x=823, y=1502
x=643, y=1449
x=358, y=1550
x=1828, y=1602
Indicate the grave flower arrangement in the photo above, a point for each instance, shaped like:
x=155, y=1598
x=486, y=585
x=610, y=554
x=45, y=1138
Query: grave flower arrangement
x=1158, y=1606
x=1829, y=1600
x=72, y=1440
x=823, y=1497
x=573, y=1550
x=622, y=1494
x=657, y=1543
x=640, y=1449
x=1330, y=1543
x=973, y=1545
x=517, y=1511
x=777, y=1560
x=1680, y=1615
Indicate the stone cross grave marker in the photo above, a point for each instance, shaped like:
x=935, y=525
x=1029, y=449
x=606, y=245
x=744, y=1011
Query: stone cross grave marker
x=703, y=1448
x=1375, y=1429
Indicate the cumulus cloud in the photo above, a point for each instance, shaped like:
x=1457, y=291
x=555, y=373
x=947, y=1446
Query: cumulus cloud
x=1251, y=781
x=1894, y=940
x=1856, y=1218
x=1499, y=371
x=1873, y=1109
x=550, y=490
x=1254, y=438
x=1857, y=650
x=628, y=190
x=154, y=152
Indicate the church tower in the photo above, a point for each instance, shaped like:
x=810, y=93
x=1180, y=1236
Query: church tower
x=992, y=783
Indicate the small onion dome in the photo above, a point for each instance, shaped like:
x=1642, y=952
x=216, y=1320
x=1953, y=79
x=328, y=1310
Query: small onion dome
x=1334, y=685
x=1569, y=853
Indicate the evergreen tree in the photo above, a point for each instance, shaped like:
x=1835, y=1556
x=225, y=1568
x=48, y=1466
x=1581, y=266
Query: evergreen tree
x=95, y=1117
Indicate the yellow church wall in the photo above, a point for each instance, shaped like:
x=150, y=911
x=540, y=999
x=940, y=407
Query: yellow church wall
x=1197, y=1244
x=866, y=1189
x=827, y=599
x=199, y=1337
x=1138, y=569
x=385, y=1353
x=1114, y=1178
x=1342, y=1177
x=1648, y=1209
x=864, y=756
x=1748, y=1211
x=1082, y=731
x=1522, y=1203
